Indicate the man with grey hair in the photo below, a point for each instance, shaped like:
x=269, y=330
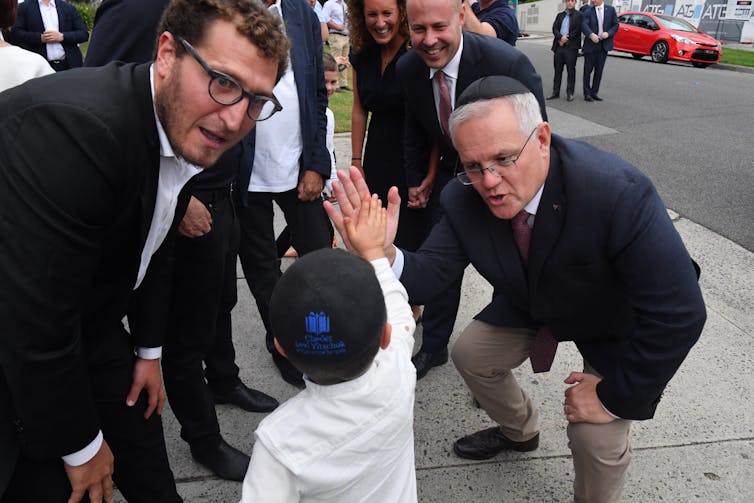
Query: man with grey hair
x=578, y=247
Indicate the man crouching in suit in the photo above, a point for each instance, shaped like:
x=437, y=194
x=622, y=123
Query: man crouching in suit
x=578, y=247
x=83, y=226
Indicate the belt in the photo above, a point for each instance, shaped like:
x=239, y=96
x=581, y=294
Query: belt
x=56, y=61
x=213, y=195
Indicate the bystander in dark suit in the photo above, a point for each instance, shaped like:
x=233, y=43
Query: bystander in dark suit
x=85, y=240
x=291, y=173
x=599, y=25
x=56, y=36
x=198, y=360
x=124, y=30
x=578, y=247
x=567, y=32
x=481, y=55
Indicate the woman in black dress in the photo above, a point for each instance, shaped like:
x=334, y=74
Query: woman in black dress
x=379, y=36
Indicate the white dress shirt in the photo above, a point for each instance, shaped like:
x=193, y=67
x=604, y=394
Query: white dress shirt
x=49, y=13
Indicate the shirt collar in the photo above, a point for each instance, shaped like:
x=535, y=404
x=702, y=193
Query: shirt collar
x=451, y=69
x=41, y=4
x=532, y=206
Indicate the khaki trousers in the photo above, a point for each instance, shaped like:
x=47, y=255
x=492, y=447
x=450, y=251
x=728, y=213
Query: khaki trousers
x=340, y=46
x=485, y=355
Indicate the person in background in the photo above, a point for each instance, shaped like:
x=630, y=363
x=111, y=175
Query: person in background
x=379, y=37
x=322, y=19
x=443, y=61
x=285, y=161
x=336, y=14
x=584, y=6
x=493, y=18
x=53, y=29
x=567, y=32
x=599, y=25
x=19, y=65
x=124, y=30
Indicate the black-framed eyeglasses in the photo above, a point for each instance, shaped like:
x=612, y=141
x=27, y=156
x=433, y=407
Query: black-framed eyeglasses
x=472, y=174
x=226, y=90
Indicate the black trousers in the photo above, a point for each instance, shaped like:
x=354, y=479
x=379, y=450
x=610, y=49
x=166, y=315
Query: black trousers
x=204, y=294
x=593, y=62
x=439, y=316
x=564, y=57
x=310, y=230
x=142, y=473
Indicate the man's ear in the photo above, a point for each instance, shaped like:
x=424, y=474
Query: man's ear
x=277, y=346
x=166, y=55
x=544, y=136
x=387, y=331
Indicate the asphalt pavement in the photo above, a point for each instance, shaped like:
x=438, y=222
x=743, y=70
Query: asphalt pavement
x=699, y=446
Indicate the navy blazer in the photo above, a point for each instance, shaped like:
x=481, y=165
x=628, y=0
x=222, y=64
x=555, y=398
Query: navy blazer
x=481, y=56
x=29, y=28
x=607, y=270
x=303, y=29
x=589, y=25
x=124, y=30
x=74, y=217
x=574, y=31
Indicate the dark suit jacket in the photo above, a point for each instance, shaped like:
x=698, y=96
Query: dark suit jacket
x=481, y=56
x=124, y=30
x=589, y=25
x=607, y=270
x=574, y=31
x=303, y=30
x=29, y=28
x=74, y=216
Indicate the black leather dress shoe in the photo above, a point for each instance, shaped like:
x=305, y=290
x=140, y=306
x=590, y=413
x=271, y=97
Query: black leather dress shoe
x=247, y=398
x=424, y=360
x=553, y=97
x=489, y=443
x=588, y=98
x=223, y=460
x=288, y=372
x=569, y=97
x=596, y=98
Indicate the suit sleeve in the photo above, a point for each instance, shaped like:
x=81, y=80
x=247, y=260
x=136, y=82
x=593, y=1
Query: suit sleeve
x=21, y=32
x=77, y=34
x=585, y=28
x=614, y=22
x=556, y=27
x=56, y=203
x=661, y=287
x=416, y=141
x=439, y=261
x=320, y=161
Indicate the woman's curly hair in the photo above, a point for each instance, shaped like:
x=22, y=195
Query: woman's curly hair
x=360, y=37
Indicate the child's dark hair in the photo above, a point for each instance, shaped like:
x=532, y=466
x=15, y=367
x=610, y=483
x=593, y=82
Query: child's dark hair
x=329, y=63
x=328, y=314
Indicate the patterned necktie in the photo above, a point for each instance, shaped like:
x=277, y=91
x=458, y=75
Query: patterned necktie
x=544, y=347
x=442, y=87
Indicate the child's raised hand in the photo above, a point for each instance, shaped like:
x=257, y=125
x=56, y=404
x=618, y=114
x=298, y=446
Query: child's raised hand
x=367, y=236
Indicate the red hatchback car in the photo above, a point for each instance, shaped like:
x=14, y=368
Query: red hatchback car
x=665, y=37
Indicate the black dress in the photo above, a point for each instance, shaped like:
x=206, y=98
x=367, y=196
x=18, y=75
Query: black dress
x=380, y=95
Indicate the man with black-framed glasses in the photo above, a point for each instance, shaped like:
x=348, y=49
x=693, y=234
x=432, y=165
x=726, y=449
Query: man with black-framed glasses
x=86, y=234
x=578, y=247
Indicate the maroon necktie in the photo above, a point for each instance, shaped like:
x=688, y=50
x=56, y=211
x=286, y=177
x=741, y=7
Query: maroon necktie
x=445, y=108
x=543, y=350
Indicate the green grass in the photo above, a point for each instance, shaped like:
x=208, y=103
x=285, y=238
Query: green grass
x=340, y=104
x=740, y=57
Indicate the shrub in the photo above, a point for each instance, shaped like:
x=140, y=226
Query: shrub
x=86, y=10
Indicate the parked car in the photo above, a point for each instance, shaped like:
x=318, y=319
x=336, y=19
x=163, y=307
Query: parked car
x=665, y=37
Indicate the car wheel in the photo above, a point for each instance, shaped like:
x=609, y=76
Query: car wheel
x=700, y=65
x=660, y=52
x=637, y=56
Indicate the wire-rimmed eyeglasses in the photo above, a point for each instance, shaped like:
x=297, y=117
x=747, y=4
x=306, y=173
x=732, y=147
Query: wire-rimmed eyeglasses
x=472, y=174
x=226, y=90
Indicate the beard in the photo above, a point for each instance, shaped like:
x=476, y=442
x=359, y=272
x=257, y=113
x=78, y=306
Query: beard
x=169, y=104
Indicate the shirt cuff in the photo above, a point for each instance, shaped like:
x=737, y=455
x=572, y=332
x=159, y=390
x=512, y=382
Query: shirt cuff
x=149, y=353
x=78, y=458
x=398, y=262
x=610, y=413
